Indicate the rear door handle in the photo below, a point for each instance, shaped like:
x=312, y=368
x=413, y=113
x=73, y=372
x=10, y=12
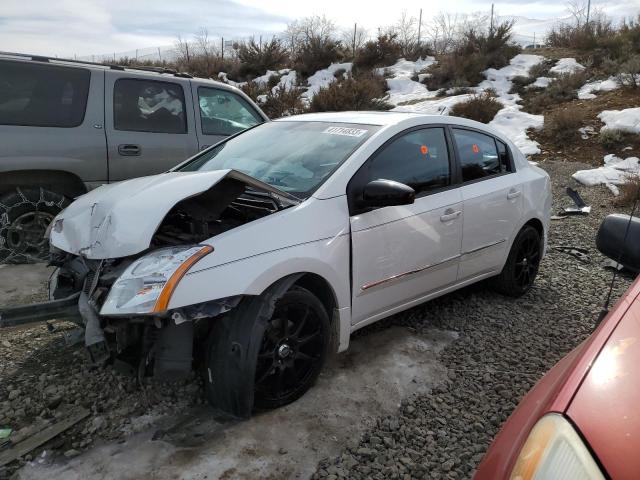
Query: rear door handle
x=450, y=214
x=129, y=150
x=513, y=194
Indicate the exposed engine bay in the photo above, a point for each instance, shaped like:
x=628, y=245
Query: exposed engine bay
x=165, y=341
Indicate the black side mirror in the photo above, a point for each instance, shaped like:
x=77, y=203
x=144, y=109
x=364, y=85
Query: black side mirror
x=610, y=240
x=387, y=193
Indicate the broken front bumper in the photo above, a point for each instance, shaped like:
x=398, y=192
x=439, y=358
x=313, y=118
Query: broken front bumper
x=61, y=309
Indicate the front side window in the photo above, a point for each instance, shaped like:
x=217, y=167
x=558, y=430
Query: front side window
x=478, y=155
x=419, y=159
x=293, y=156
x=224, y=113
x=42, y=95
x=148, y=106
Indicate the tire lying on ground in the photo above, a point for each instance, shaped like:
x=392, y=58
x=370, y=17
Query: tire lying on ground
x=25, y=214
x=267, y=352
x=522, y=265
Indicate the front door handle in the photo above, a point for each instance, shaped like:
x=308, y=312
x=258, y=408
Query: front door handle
x=513, y=194
x=129, y=150
x=450, y=214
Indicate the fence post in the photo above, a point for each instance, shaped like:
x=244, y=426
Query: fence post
x=222, y=49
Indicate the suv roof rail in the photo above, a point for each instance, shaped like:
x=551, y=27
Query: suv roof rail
x=43, y=58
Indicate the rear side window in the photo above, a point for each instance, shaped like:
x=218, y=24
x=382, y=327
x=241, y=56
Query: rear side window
x=224, y=113
x=419, y=159
x=37, y=95
x=149, y=106
x=479, y=156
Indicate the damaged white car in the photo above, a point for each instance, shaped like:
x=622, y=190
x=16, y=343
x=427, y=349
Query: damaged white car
x=256, y=258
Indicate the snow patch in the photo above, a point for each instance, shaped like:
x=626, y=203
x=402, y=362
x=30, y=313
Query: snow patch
x=401, y=86
x=500, y=80
x=323, y=78
x=615, y=171
x=586, y=91
x=440, y=106
x=627, y=120
x=514, y=123
x=541, y=82
x=566, y=65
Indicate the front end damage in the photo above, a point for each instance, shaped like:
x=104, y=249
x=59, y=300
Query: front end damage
x=122, y=302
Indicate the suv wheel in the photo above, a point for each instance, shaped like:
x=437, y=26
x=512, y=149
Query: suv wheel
x=25, y=215
x=522, y=265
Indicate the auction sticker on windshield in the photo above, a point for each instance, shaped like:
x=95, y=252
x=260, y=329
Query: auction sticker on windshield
x=349, y=132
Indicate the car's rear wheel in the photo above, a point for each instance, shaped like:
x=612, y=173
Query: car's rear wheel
x=266, y=352
x=522, y=265
x=25, y=215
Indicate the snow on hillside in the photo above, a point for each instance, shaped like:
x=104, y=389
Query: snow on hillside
x=402, y=88
x=627, y=120
x=615, y=171
x=323, y=78
x=566, y=65
x=511, y=120
x=586, y=91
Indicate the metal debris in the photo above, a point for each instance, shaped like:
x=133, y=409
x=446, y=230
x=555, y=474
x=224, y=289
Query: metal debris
x=581, y=207
x=578, y=252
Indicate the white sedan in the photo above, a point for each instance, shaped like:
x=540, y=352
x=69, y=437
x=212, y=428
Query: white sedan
x=259, y=256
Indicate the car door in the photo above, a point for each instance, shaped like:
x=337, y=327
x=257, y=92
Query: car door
x=150, y=124
x=401, y=254
x=220, y=113
x=492, y=196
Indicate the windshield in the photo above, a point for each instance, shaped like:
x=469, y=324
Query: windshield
x=295, y=157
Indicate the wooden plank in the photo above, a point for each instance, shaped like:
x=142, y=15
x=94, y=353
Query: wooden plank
x=41, y=437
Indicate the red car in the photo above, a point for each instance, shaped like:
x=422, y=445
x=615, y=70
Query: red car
x=582, y=419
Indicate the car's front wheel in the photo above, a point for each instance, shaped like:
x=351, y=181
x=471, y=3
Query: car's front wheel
x=522, y=265
x=266, y=353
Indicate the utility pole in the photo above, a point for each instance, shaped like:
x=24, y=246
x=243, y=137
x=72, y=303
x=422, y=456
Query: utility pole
x=222, y=49
x=588, y=11
x=159, y=54
x=419, y=26
x=491, y=28
x=355, y=30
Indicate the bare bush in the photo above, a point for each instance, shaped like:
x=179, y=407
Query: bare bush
x=612, y=138
x=481, y=108
x=256, y=58
x=563, y=125
x=382, y=51
x=355, y=92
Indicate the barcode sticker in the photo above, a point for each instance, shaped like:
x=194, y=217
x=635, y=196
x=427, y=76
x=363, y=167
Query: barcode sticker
x=346, y=131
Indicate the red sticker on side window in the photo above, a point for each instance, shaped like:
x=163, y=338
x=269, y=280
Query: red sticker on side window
x=475, y=148
x=424, y=149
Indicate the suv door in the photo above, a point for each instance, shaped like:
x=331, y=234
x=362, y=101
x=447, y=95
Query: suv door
x=51, y=119
x=493, y=204
x=402, y=254
x=220, y=113
x=150, y=124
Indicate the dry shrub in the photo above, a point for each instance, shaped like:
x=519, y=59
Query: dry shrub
x=475, y=52
x=355, y=92
x=563, y=89
x=384, y=50
x=481, y=108
x=613, y=138
x=256, y=59
x=629, y=191
x=316, y=54
x=541, y=69
x=282, y=103
x=563, y=125
x=520, y=83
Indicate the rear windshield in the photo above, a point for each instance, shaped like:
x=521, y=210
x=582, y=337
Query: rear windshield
x=295, y=157
x=42, y=95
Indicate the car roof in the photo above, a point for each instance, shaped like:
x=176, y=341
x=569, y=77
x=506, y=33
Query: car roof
x=381, y=118
x=137, y=71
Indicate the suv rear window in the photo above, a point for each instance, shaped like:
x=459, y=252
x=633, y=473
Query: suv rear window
x=42, y=95
x=148, y=106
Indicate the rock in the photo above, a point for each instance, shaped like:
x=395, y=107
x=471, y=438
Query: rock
x=13, y=394
x=71, y=453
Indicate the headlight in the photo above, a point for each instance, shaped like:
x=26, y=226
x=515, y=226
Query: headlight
x=554, y=450
x=147, y=284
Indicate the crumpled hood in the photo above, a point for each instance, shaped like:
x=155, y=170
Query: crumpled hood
x=120, y=219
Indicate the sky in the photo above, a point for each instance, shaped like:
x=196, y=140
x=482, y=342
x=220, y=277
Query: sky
x=84, y=27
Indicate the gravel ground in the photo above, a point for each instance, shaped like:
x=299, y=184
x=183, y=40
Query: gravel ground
x=504, y=347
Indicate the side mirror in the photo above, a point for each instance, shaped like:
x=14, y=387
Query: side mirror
x=387, y=193
x=610, y=240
